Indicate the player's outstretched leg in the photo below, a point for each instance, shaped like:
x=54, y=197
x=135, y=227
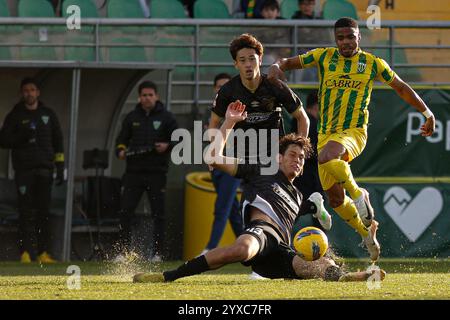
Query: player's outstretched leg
x=243, y=249
x=189, y=268
x=380, y=274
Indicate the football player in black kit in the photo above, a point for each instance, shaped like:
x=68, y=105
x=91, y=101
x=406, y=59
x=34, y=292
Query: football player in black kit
x=264, y=102
x=270, y=205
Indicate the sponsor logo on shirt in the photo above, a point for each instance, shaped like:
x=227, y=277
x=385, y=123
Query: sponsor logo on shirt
x=258, y=117
x=285, y=196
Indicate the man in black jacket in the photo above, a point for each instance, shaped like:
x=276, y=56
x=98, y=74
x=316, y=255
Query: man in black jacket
x=33, y=133
x=144, y=141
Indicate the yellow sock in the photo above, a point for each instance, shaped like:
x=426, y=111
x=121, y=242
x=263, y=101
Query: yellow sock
x=340, y=170
x=347, y=211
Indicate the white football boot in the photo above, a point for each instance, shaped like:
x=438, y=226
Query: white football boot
x=365, y=209
x=321, y=214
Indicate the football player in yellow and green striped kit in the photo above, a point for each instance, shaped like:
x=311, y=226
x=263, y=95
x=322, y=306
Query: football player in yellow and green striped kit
x=346, y=77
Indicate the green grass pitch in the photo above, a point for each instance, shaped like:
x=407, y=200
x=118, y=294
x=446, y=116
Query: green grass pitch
x=406, y=279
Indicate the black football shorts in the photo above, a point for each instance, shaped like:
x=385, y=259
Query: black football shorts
x=274, y=258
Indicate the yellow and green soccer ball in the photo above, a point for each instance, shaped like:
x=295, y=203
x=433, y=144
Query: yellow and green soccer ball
x=310, y=243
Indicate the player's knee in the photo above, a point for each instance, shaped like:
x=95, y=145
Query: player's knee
x=239, y=252
x=323, y=157
x=336, y=199
x=326, y=155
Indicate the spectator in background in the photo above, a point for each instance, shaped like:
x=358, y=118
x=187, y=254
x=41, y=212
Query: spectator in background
x=33, y=133
x=306, y=10
x=226, y=206
x=144, y=142
x=271, y=10
x=188, y=6
x=249, y=9
x=309, y=35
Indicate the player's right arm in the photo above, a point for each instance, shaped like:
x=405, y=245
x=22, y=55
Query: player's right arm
x=307, y=60
x=214, y=155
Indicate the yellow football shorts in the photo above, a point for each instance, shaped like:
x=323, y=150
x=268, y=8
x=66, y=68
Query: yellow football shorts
x=354, y=141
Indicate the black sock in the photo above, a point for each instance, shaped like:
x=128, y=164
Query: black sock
x=190, y=268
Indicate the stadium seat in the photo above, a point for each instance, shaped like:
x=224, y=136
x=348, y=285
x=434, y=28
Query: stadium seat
x=170, y=9
x=83, y=36
x=79, y=53
x=5, y=54
x=167, y=9
x=36, y=52
x=40, y=9
x=87, y=8
x=215, y=55
x=35, y=8
x=4, y=10
x=127, y=54
x=174, y=55
x=288, y=8
x=211, y=9
x=335, y=9
x=408, y=74
x=124, y=9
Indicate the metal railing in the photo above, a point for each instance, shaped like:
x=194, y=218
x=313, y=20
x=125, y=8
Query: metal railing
x=192, y=30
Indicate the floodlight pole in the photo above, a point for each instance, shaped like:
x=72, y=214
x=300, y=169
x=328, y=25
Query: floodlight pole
x=76, y=74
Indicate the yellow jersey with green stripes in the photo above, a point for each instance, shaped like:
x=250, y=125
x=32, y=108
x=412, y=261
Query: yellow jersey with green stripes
x=345, y=86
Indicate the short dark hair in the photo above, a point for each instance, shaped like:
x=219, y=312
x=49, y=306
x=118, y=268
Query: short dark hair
x=292, y=138
x=312, y=99
x=346, y=22
x=147, y=85
x=220, y=76
x=28, y=80
x=245, y=40
x=271, y=4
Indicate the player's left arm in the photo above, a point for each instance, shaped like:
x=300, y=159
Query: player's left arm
x=411, y=97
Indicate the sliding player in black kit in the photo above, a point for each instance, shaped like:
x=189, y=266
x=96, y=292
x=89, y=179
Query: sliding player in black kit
x=270, y=205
